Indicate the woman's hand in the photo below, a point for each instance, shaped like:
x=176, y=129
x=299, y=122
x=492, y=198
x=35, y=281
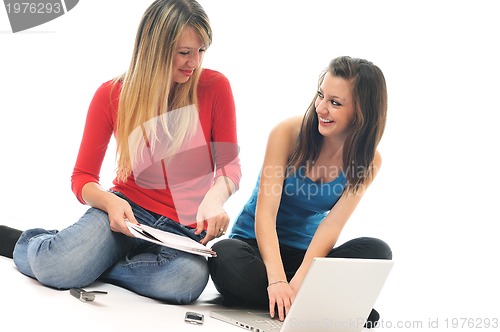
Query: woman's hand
x=281, y=296
x=216, y=227
x=212, y=212
x=120, y=210
x=117, y=208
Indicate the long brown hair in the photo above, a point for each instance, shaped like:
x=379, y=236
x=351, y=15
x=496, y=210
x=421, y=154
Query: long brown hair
x=369, y=93
x=147, y=88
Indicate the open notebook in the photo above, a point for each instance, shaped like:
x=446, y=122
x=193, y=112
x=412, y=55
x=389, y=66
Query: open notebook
x=171, y=240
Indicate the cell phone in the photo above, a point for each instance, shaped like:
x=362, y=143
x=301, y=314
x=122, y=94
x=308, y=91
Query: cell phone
x=83, y=295
x=193, y=318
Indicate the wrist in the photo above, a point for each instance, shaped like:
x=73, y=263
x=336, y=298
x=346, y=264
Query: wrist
x=277, y=282
x=214, y=196
x=224, y=187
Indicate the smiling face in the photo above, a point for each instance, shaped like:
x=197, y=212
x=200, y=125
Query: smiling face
x=335, y=107
x=188, y=55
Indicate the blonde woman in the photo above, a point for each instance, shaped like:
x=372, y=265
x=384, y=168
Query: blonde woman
x=175, y=130
x=316, y=169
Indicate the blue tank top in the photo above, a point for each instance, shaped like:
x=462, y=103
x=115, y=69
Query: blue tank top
x=304, y=204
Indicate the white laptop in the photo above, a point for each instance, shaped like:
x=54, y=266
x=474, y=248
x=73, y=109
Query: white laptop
x=337, y=294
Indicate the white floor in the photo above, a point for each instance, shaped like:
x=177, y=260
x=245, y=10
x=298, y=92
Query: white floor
x=25, y=305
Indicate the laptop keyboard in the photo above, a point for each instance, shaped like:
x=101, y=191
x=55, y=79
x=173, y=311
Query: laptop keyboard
x=271, y=323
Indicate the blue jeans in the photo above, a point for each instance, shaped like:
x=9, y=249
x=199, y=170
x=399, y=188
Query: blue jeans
x=88, y=250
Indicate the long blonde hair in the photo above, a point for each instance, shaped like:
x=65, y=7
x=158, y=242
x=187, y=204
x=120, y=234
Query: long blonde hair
x=147, y=89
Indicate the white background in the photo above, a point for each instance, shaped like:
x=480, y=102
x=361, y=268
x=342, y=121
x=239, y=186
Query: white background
x=436, y=198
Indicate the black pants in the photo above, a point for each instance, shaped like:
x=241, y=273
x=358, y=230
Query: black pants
x=239, y=273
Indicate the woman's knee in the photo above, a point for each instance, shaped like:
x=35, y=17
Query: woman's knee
x=194, y=285
x=230, y=254
x=363, y=247
x=377, y=248
x=182, y=284
x=65, y=271
x=238, y=272
x=34, y=256
x=229, y=247
x=73, y=257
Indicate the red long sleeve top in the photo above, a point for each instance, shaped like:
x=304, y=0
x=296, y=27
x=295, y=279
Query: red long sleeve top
x=179, y=187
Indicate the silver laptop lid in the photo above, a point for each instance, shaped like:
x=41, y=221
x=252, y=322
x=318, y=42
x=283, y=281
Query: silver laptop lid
x=337, y=294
